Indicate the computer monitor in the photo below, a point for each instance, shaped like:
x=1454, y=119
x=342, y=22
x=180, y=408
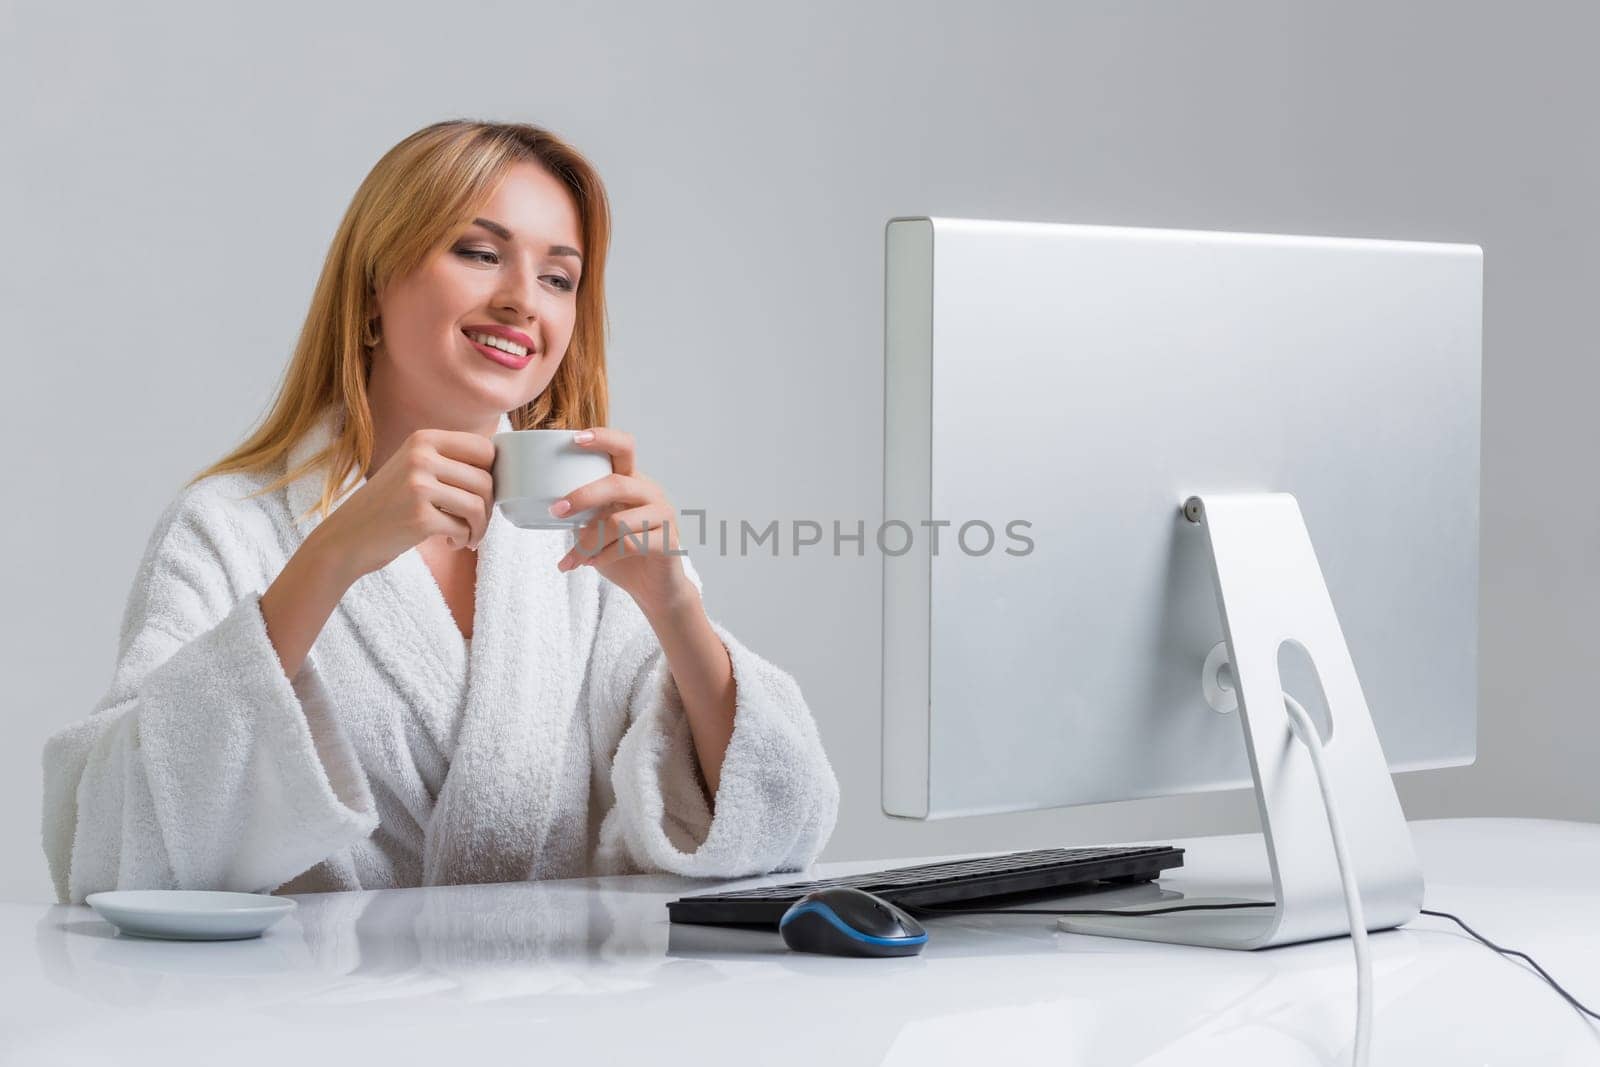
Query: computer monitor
x=1054, y=395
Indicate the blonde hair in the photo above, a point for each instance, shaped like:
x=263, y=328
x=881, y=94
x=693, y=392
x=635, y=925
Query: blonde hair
x=416, y=196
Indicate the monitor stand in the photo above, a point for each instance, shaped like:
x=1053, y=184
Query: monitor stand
x=1270, y=590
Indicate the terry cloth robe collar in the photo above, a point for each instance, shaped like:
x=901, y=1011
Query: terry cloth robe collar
x=501, y=720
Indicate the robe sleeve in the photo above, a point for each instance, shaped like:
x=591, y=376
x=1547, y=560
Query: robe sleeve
x=777, y=801
x=203, y=766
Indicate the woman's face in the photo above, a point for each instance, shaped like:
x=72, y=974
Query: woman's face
x=518, y=267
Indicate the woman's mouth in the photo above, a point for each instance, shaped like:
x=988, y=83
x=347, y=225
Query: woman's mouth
x=500, y=356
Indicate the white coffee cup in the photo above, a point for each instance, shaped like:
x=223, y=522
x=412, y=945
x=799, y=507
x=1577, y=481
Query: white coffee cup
x=535, y=468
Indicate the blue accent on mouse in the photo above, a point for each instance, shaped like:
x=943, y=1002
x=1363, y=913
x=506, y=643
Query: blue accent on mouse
x=842, y=921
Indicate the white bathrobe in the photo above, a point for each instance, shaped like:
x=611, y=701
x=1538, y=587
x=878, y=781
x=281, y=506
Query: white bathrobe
x=561, y=750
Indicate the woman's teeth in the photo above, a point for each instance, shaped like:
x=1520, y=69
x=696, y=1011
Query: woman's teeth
x=499, y=342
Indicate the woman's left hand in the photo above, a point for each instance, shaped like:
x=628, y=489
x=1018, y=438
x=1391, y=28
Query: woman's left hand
x=637, y=558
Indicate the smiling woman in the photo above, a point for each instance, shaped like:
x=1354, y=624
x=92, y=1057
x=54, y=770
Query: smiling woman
x=497, y=228
x=512, y=272
x=292, y=708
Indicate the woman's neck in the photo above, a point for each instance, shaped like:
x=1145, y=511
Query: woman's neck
x=397, y=414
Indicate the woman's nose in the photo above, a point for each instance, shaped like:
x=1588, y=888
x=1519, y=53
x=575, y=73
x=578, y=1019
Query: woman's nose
x=521, y=294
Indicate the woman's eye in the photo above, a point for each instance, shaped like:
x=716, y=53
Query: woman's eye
x=470, y=253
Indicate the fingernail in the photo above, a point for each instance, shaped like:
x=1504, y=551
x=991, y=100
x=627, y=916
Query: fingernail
x=583, y=437
x=560, y=508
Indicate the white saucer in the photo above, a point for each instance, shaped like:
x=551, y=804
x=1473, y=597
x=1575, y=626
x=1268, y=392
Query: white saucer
x=189, y=914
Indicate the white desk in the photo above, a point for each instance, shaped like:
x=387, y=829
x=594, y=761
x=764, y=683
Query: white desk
x=548, y=972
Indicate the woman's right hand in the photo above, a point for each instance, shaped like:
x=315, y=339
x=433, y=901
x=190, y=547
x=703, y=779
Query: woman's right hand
x=438, y=482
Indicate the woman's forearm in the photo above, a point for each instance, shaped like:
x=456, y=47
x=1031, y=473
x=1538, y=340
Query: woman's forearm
x=298, y=603
x=703, y=673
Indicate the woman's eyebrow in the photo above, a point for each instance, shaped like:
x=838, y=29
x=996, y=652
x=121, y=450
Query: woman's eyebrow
x=506, y=235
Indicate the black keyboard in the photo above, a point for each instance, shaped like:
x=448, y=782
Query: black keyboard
x=985, y=878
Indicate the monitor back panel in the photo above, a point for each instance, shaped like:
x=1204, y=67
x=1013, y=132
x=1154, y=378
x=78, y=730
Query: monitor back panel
x=1053, y=393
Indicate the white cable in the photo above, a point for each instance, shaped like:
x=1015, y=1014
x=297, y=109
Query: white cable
x=1306, y=731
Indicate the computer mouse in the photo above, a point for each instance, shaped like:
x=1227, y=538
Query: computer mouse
x=841, y=921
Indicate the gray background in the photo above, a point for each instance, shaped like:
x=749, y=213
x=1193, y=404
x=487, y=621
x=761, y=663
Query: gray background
x=174, y=173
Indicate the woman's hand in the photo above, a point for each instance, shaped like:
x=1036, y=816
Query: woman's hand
x=634, y=529
x=438, y=482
